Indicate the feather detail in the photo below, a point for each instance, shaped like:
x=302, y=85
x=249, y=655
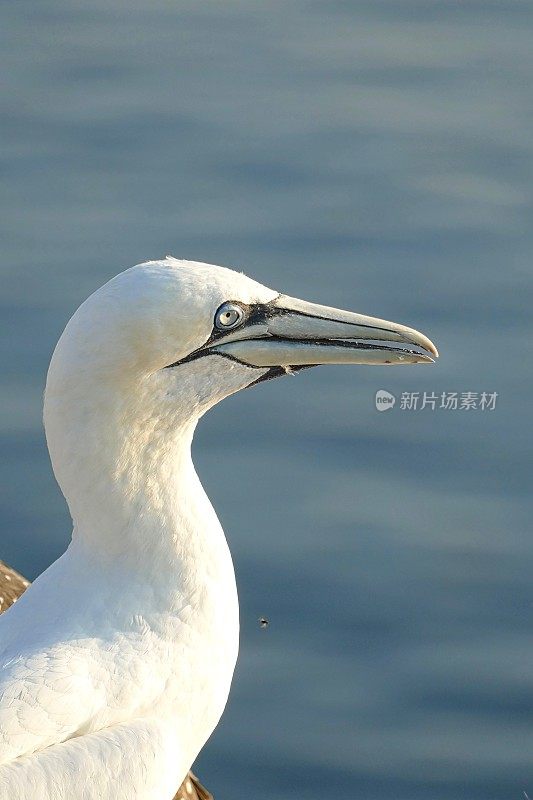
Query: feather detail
x=12, y=585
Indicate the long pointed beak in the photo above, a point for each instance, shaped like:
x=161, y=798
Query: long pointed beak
x=294, y=333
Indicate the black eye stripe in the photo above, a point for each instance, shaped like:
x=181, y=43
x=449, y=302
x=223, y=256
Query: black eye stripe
x=254, y=314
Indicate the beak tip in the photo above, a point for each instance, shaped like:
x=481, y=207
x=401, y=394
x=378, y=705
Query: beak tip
x=415, y=337
x=432, y=349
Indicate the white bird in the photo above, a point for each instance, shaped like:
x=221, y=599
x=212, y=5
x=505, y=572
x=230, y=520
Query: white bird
x=116, y=662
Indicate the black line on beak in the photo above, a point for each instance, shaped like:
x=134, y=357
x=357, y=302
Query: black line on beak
x=257, y=314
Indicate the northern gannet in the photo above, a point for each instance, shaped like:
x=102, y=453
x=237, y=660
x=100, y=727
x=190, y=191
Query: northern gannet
x=116, y=662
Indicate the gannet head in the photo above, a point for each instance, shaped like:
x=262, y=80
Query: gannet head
x=202, y=332
x=154, y=348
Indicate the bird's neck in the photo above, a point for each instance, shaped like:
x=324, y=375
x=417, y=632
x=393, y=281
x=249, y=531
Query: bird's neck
x=134, y=495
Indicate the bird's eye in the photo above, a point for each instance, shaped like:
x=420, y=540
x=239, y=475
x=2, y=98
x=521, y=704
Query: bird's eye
x=229, y=315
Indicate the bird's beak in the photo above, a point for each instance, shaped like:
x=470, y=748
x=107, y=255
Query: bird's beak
x=293, y=333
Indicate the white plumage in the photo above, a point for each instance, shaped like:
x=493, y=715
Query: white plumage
x=116, y=663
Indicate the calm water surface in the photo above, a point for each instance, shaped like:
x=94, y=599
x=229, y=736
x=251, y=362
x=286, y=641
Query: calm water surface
x=371, y=155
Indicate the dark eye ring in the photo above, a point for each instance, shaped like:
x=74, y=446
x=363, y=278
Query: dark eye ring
x=228, y=316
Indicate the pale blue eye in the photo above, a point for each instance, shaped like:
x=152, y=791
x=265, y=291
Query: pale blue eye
x=229, y=315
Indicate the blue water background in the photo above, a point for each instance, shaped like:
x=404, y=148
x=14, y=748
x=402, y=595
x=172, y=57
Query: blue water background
x=369, y=155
